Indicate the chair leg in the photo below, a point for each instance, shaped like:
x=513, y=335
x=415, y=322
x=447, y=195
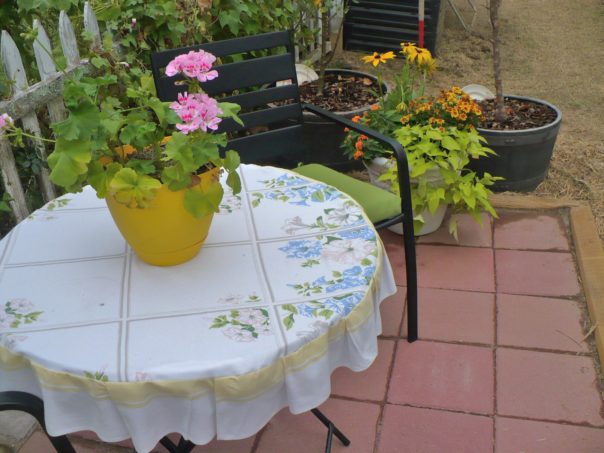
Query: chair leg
x=411, y=272
x=331, y=430
x=25, y=402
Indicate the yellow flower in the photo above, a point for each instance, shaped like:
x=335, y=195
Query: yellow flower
x=423, y=56
x=318, y=3
x=408, y=48
x=429, y=66
x=378, y=58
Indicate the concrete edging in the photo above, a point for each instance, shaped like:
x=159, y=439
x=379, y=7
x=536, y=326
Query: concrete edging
x=588, y=248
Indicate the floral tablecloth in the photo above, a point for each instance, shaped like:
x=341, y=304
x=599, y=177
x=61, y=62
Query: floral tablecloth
x=286, y=289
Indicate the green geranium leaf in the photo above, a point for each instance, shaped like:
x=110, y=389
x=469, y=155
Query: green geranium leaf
x=164, y=113
x=141, y=166
x=132, y=189
x=230, y=110
x=231, y=160
x=82, y=122
x=234, y=182
x=69, y=161
x=99, y=62
x=100, y=177
x=175, y=177
x=201, y=203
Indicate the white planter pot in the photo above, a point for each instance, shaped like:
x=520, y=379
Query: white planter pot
x=432, y=221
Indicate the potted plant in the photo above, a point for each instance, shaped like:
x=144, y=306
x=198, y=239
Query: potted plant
x=348, y=93
x=156, y=164
x=521, y=130
x=440, y=139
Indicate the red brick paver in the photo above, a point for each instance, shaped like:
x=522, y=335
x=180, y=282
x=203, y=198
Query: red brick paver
x=500, y=366
x=458, y=316
x=539, y=322
x=440, y=375
x=452, y=267
x=415, y=430
x=514, y=435
x=546, y=386
x=526, y=231
x=536, y=273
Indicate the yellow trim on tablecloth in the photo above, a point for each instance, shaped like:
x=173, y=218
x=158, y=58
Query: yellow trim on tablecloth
x=227, y=388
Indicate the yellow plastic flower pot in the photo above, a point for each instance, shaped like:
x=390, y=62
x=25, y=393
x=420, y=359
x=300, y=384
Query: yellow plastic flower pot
x=164, y=234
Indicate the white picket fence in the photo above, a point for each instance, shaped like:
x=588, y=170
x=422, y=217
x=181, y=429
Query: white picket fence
x=26, y=101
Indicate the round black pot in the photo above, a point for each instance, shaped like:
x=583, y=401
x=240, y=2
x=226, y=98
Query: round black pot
x=323, y=138
x=523, y=156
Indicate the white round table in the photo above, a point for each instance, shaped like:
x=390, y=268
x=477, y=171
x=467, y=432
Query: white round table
x=286, y=289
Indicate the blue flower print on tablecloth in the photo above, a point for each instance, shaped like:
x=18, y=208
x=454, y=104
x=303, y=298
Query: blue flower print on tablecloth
x=17, y=312
x=357, y=250
x=244, y=325
x=285, y=180
x=299, y=196
x=321, y=309
x=345, y=215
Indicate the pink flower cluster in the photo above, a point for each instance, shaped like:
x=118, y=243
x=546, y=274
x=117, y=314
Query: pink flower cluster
x=198, y=111
x=5, y=122
x=196, y=65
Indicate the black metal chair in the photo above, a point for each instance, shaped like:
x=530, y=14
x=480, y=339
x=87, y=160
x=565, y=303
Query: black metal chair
x=272, y=134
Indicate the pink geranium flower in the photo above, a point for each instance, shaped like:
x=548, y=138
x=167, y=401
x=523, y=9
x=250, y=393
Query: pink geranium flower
x=198, y=111
x=5, y=122
x=197, y=65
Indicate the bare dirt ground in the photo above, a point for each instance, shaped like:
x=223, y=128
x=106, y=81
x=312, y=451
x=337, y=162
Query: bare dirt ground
x=552, y=50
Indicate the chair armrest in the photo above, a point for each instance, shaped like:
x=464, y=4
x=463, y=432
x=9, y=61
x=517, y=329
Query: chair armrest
x=399, y=152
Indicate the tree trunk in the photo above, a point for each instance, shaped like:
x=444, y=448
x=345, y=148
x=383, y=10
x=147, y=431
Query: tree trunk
x=500, y=114
x=323, y=60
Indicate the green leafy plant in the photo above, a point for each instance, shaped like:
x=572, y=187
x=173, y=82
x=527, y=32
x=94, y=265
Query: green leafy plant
x=440, y=137
x=124, y=142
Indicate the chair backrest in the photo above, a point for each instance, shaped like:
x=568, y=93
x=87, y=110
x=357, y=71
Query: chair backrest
x=248, y=71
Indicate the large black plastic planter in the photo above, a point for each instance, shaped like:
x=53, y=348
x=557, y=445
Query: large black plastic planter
x=324, y=138
x=523, y=156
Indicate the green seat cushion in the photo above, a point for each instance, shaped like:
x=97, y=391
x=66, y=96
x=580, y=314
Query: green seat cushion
x=378, y=204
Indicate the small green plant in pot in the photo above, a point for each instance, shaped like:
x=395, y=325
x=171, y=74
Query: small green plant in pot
x=440, y=138
x=141, y=154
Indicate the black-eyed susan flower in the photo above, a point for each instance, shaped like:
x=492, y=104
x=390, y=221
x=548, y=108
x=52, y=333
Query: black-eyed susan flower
x=408, y=48
x=378, y=58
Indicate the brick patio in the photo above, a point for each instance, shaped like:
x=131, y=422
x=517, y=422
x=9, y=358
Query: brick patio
x=500, y=367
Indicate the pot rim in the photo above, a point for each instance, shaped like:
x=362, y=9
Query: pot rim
x=551, y=125
x=360, y=110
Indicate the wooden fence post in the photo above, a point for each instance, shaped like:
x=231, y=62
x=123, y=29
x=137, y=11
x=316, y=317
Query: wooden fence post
x=47, y=69
x=92, y=26
x=12, y=183
x=68, y=40
x=13, y=65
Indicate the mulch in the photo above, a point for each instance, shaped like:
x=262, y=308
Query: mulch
x=521, y=114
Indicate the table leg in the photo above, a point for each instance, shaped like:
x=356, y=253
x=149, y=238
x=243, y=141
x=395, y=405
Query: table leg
x=332, y=430
x=25, y=402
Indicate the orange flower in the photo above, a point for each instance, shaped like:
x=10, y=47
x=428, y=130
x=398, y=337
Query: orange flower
x=359, y=145
x=375, y=107
x=346, y=129
x=364, y=137
x=357, y=155
x=356, y=119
